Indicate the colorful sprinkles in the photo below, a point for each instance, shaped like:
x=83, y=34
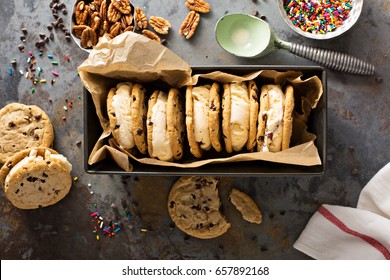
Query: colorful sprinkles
x=318, y=16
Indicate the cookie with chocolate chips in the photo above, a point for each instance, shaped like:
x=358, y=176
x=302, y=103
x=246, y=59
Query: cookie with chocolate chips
x=194, y=206
x=22, y=127
x=35, y=178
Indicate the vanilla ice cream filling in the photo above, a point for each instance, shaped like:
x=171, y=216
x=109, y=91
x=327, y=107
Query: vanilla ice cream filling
x=121, y=102
x=201, y=96
x=274, y=126
x=33, y=158
x=239, y=117
x=160, y=138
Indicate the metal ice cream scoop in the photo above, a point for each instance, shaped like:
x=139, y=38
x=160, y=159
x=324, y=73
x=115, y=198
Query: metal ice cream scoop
x=249, y=36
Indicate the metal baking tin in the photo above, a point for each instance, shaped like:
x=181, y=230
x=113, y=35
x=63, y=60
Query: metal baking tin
x=317, y=124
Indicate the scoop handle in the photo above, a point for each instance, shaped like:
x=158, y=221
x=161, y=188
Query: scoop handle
x=333, y=59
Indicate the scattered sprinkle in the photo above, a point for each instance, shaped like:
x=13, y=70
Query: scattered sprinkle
x=10, y=70
x=42, y=81
x=55, y=73
x=144, y=230
x=53, y=82
x=50, y=56
x=67, y=57
x=40, y=53
x=65, y=108
x=33, y=90
x=54, y=62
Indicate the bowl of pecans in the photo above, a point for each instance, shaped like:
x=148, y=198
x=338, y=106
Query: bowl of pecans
x=91, y=19
x=320, y=20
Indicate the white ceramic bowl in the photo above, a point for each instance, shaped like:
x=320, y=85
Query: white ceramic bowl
x=353, y=16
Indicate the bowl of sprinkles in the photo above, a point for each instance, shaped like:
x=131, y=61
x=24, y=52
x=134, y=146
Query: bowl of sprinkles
x=320, y=19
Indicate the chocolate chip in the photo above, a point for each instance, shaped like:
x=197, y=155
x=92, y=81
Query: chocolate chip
x=38, y=116
x=11, y=124
x=51, y=36
x=51, y=4
x=50, y=27
x=21, y=47
x=60, y=20
x=47, y=40
x=61, y=6
x=43, y=181
x=24, y=30
x=9, y=165
x=61, y=25
x=139, y=131
x=36, y=137
x=172, y=204
x=64, y=12
x=22, y=37
x=44, y=175
x=55, y=15
x=378, y=80
x=42, y=35
x=17, y=191
x=31, y=179
x=67, y=37
x=55, y=6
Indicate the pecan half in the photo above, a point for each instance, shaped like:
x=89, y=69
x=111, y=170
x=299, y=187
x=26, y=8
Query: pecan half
x=115, y=29
x=151, y=35
x=141, y=21
x=103, y=10
x=122, y=5
x=159, y=24
x=95, y=24
x=189, y=25
x=126, y=20
x=78, y=30
x=129, y=28
x=78, y=11
x=113, y=14
x=199, y=6
x=88, y=38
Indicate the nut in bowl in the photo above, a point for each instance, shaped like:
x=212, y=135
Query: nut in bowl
x=320, y=19
x=91, y=19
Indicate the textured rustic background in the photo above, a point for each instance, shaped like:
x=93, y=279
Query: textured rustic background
x=358, y=133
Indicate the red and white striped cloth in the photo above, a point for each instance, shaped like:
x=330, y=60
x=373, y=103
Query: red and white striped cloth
x=345, y=233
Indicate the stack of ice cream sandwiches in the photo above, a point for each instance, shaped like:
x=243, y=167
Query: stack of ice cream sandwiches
x=228, y=118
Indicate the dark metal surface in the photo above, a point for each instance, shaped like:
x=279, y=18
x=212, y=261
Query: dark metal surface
x=358, y=133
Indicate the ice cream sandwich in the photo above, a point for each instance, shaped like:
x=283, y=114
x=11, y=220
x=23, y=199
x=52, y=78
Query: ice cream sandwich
x=275, y=118
x=203, y=118
x=165, y=125
x=239, y=115
x=126, y=109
